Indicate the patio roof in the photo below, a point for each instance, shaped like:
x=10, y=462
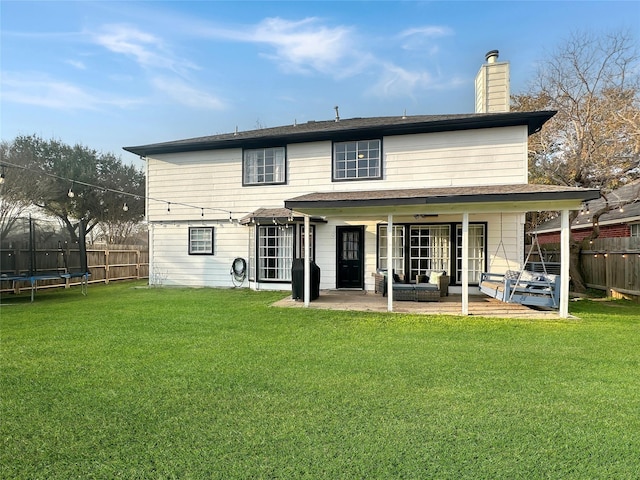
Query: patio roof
x=279, y=215
x=472, y=199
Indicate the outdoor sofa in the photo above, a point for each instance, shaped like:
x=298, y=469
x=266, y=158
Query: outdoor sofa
x=429, y=287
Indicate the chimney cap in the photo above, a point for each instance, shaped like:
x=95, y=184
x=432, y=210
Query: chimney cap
x=491, y=56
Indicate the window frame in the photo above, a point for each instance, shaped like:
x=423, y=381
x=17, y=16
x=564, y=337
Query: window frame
x=210, y=251
x=636, y=227
x=334, y=161
x=245, y=169
x=453, y=248
x=299, y=242
x=260, y=258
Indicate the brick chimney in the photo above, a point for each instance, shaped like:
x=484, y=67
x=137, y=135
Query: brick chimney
x=492, y=85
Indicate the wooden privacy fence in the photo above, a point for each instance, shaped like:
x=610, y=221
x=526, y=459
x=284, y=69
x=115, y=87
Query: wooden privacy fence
x=613, y=265
x=609, y=264
x=104, y=265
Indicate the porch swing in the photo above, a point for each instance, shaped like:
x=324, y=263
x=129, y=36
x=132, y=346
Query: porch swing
x=535, y=289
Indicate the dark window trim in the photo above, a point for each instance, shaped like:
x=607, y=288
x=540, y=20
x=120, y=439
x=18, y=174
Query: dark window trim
x=452, y=241
x=258, y=278
x=297, y=242
x=358, y=179
x=213, y=241
x=286, y=172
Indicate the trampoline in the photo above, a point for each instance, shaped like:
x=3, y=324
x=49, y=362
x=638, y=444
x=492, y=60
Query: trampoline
x=42, y=251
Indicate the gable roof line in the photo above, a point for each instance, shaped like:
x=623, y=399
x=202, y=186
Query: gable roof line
x=348, y=129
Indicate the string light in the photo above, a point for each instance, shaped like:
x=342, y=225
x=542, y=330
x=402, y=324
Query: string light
x=71, y=194
x=125, y=207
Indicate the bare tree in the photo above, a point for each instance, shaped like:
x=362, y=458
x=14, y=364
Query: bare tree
x=593, y=82
x=594, y=140
x=13, y=205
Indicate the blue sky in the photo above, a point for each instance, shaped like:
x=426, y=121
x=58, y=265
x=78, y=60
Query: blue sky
x=112, y=74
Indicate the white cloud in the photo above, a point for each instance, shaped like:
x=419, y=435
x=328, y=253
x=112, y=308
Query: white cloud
x=146, y=49
x=422, y=38
x=301, y=46
x=187, y=95
x=36, y=89
x=77, y=64
x=396, y=81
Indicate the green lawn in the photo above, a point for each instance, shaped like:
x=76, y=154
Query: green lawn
x=200, y=383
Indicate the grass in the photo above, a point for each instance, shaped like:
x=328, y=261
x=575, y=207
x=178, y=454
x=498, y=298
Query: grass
x=200, y=383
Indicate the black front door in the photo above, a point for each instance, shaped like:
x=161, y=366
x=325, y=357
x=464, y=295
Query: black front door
x=350, y=251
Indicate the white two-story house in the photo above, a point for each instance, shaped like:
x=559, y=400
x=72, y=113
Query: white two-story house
x=450, y=188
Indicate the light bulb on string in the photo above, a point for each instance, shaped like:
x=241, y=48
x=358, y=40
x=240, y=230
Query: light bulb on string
x=125, y=207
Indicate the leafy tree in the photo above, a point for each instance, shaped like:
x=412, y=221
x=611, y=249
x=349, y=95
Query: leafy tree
x=593, y=81
x=74, y=183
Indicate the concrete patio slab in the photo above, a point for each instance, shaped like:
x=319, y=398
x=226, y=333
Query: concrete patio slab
x=479, y=306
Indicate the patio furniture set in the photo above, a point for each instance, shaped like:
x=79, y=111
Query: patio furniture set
x=428, y=287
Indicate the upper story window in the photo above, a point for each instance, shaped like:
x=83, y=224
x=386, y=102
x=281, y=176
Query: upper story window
x=635, y=230
x=357, y=160
x=264, y=166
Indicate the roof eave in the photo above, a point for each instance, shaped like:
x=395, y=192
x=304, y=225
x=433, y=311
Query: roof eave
x=533, y=120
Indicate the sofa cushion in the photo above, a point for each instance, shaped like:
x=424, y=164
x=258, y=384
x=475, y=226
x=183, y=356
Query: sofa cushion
x=434, y=278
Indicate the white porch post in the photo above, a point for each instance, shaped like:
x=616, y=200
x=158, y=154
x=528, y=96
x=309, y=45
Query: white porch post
x=307, y=263
x=465, y=263
x=390, y=263
x=565, y=260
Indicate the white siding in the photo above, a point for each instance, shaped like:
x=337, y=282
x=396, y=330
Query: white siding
x=212, y=180
x=492, y=88
x=172, y=264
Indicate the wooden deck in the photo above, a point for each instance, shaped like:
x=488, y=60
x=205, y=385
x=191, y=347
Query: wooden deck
x=480, y=306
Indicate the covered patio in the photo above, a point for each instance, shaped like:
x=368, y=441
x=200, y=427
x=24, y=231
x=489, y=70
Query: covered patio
x=363, y=301
x=384, y=205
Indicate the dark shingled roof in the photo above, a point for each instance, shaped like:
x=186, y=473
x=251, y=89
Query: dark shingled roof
x=627, y=196
x=347, y=129
x=422, y=196
x=281, y=215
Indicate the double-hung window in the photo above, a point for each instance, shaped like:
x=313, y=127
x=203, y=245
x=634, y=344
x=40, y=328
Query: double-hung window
x=201, y=241
x=635, y=229
x=357, y=160
x=263, y=166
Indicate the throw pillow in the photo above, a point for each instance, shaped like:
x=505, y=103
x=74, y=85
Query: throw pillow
x=434, y=278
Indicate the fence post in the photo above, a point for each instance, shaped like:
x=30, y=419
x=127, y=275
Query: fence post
x=106, y=267
x=607, y=274
x=138, y=264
